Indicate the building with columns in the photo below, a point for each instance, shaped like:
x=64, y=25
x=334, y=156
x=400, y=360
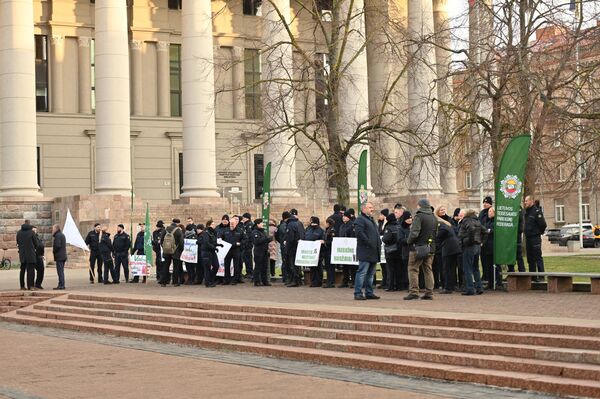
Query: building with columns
x=97, y=97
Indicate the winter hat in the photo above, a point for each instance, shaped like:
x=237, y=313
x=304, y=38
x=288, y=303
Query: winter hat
x=189, y=227
x=351, y=211
x=424, y=203
x=225, y=217
x=247, y=215
x=405, y=215
x=488, y=200
x=385, y=212
x=348, y=214
x=391, y=218
x=160, y=223
x=294, y=212
x=121, y=226
x=456, y=212
x=315, y=220
x=257, y=221
x=285, y=215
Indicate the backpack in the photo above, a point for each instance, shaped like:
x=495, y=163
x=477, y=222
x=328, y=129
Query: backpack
x=169, y=245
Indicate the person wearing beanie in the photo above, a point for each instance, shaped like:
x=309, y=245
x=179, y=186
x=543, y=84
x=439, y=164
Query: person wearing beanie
x=247, y=226
x=223, y=226
x=280, y=238
x=347, y=230
x=393, y=252
x=121, y=244
x=336, y=216
x=422, y=247
x=314, y=232
x=330, y=268
x=487, y=248
x=381, y=222
x=456, y=218
x=156, y=246
x=293, y=234
x=404, y=224
x=260, y=240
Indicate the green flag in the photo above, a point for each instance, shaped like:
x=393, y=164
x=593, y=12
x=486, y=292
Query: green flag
x=363, y=193
x=509, y=191
x=266, y=195
x=148, y=238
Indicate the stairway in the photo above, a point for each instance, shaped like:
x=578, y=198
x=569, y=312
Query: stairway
x=13, y=300
x=539, y=356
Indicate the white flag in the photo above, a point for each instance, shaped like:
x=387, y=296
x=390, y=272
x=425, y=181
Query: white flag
x=72, y=234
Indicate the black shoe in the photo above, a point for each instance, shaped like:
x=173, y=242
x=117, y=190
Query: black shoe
x=373, y=296
x=479, y=292
x=100, y=281
x=213, y=285
x=116, y=282
x=91, y=281
x=328, y=286
x=293, y=285
x=39, y=287
x=257, y=284
x=57, y=288
x=410, y=297
x=107, y=283
x=446, y=292
x=176, y=285
x=267, y=284
x=163, y=285
x=468, y=293
x=359, y=298
x=427, y=297
x=343, y=285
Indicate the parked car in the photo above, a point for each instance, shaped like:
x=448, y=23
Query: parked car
x=570, y=232
x=553, y=235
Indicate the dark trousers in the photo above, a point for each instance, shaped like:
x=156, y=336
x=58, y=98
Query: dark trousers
x=384, y=275
x=329, y=268
x=260, y=270
x=163, y=269
x=404, y=274
x=96, y=258
x=437, y=270
x=109, y=268
x=235, y=256
x=294, y=270
x=285, y=266
x=450, y=263
x=520, y=263
x=199, y=268
x=316, y=273
x=60, y=271
x=394, y=264
x=534, y=254
x=247, y=259
x=177, y=271
x=39, y=271
x=211, y=266
x=191, y=272
x=28, y=268
x=121, y=258
x=158, y=262
x=272, y=267
x=487, y=264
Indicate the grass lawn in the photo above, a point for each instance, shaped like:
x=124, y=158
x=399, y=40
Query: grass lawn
x=572, y=264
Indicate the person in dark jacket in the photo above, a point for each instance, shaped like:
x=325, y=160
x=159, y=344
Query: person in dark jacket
x=314, y=232
x=175, y=257
x=40, y=262
x=121, y=245
x=381, y=222
x=491, y=272
x=235, y=237
x=286, y=272
x=450, y=251
x=199, y=272
x=520, y=227
x=422, y=234
x=336, y=216
x=59, y=250
x=26, y=244
x=260, y=241
x=368, y=253
x=157, y=235
x=393, y=252
x=223, y=227
x=347, y=230
x=138, y=249
x=191, y=268
x=437, y=267
x=294, y=233
x=330, y=268
x=403, y=232
x=106, y=251
x=535, y=225
x=92, y=240
x=207, y=245
x=471, y=235
x=248, y=227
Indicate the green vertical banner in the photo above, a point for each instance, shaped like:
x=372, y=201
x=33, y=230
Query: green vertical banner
x=509, y=192
x=266, y=196
x=148, y=238
x=363, y=193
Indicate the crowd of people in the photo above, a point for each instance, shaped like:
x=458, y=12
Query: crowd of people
x=425, y=251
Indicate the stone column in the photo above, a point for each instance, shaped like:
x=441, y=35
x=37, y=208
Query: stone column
x=444, y=92
x=422, y=111
x=85, y=76
x=137, y=100
x=198, y=101
x=113, y=154
x=17, y=100
x=239, y=103
x=163, y=73
x=58, y=58
x=354, y=87
x=278, y=98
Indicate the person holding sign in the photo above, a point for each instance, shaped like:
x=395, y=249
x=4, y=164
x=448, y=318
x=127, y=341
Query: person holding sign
x=314, y=232
x=368, y=251
x=207, y=243
x=260, y=241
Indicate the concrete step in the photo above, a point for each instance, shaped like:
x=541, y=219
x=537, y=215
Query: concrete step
x=7, y=308
x=533, y=326
x=410, y=338
x=408, y=327
x=260, y=344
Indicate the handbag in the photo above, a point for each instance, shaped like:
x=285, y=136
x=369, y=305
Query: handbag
x=422, y=251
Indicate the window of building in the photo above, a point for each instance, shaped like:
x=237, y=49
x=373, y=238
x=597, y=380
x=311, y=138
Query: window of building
x=585, y=210
x=259, y=175
x=41, y=73
x=583, y=170
x=93, y=74
x=252, y=84
x=324, y=8
x=39, y=166
x=561, y=172
x=322, y=69
x=252, y=7
x=175, y=4
x=467, y=145
x=468, y=180
x=175, y=69
x=180, y=161
x=556, y=142
x=559, y=211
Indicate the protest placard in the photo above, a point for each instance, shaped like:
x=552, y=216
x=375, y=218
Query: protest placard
x=307, y=254
x=221, y=254
x=138, y=265
x=190, y=251
x=343, y=251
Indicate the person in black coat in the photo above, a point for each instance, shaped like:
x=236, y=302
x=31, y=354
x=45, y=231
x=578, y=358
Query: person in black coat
x=347, y=230
x=157, y=235
x=403, y=232
x=534, y=227
x=294, y=233
x=450, y=251
x=246, y=251
x=59, y=250
x=40, y=260
x=138, y=249
x=260, y=241
x=92, y=240
x=487, y=249
x=223, y=227
x=234, y=236
x=121, y=245
x=207, y=245
x=381, y=222
x=314, y=232
x=27, y=245
x=192, y=268
x=329, y=235
x=393, y=252
x=199, y=272
x=106, y=251
x=368, y=253
x=286, y=271
x=174, y=257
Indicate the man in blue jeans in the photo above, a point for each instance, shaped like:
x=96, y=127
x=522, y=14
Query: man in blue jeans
x=471, y=234
x=368, y=251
